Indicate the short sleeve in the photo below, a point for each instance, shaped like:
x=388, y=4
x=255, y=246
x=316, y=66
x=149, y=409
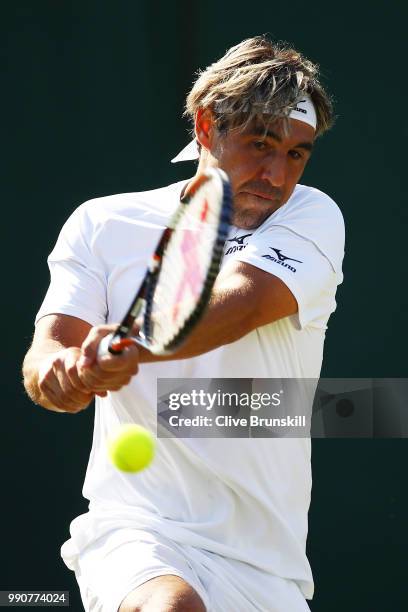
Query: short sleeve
x=78, y=280
x=303, y=268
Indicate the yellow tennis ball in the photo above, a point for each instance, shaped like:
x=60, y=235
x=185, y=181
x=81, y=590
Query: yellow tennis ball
x=132, y=449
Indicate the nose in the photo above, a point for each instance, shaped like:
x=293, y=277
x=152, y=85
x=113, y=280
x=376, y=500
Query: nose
x=274, y=170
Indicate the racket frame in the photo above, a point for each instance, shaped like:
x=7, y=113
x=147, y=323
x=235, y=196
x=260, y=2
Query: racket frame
x=142, y=302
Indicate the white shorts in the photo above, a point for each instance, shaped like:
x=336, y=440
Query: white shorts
x=116, y=564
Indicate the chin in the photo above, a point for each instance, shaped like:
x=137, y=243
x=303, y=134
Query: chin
x=252, y=215
x=249, y=219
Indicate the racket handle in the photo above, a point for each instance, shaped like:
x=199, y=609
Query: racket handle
x=113, y=344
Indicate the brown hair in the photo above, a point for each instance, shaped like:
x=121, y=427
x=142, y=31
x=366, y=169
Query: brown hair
x=256, y=78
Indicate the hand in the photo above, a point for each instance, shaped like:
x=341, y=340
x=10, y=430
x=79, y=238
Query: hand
x=59, y=382
x=109, y=372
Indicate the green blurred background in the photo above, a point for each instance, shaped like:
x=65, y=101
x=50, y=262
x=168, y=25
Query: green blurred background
x=93, y=95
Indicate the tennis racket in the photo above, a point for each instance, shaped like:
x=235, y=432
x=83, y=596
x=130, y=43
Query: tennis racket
x=182, y=270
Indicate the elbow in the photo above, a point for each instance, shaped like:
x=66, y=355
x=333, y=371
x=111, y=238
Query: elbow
x=246, y=323
x=29, y=383
x=30, y=380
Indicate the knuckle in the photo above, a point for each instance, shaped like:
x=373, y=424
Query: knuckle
x=71, y=369
x=84, y=377
x=71, y=354
x=81, y=373
x=97, y=332
x=42, y=385
x=57, y=364
x=60, y=357
x=44, y=382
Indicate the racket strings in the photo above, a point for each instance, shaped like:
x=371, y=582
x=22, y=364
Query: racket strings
x=191, y=262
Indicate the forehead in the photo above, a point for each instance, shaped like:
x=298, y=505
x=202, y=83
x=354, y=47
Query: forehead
x=282, y=130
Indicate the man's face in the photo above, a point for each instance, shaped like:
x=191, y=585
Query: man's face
x=263, y=165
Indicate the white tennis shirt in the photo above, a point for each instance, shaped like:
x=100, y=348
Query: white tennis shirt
x=242, y=498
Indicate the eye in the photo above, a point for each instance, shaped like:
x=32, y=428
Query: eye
x=295, y=154
x=260, y=145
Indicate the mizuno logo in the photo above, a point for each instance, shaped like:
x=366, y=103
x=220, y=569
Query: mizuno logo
x=282, y=259
x=300, y=110
x=239, y=246
x=239, y=239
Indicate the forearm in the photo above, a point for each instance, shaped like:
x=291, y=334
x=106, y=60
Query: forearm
x=32, y=364
x=244, y=298
x=227, y=318
x=58, y=371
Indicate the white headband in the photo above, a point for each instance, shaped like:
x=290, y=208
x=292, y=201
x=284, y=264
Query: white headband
x=303, y=111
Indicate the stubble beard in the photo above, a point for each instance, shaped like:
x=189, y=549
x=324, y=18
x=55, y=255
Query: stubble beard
x=249, y=219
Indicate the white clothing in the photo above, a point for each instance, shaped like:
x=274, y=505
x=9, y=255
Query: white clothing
x=243, y=499
x=116, y=564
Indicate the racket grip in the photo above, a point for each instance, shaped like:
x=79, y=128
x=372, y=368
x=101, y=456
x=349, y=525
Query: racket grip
x=113, y=344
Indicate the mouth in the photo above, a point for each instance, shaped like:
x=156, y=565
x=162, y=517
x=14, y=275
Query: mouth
x=263, y=196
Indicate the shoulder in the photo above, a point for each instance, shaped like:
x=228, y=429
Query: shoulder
x=152, y=206
x=314, y=216
x=105, y=223
x=310, y=203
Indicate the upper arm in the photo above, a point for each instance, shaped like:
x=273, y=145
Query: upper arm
x=259, y=296
x=304, y=272
x=78, y=279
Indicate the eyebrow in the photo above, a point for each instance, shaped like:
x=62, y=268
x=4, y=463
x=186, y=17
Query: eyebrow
x=260, y=131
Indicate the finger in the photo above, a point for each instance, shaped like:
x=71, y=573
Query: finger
x=62, y=385
x=60, y=402
x=127, y=361
x=99, y=380
x=89, y=348
x=68, y=394
x=50, y=387
x=119, y=345
x=71, y=369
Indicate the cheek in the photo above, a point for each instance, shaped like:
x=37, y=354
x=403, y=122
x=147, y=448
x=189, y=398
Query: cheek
x=293, y=177
x=294, y=173
x=239, y=169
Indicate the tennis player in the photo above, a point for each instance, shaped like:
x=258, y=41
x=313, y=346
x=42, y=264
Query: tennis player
x=214, y=524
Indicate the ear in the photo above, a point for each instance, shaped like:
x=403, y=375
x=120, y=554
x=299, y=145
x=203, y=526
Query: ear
x=204, y=127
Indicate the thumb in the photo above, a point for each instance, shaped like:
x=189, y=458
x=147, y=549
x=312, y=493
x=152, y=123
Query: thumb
x=89, y=348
